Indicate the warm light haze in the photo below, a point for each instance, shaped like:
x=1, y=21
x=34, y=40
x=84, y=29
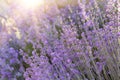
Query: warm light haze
x=31, y=3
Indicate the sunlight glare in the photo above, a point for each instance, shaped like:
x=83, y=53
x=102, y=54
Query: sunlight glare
x=31, y=3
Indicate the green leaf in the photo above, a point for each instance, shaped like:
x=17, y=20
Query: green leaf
x=29, y=48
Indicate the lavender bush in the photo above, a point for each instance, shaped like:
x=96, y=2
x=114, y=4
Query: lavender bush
x=72, y=42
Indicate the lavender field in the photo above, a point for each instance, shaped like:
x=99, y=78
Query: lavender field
x=60, y=40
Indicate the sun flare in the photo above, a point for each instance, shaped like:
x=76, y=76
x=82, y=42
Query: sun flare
x=31, y=3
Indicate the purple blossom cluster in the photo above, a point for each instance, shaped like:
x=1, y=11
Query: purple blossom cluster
x=79, y=42
x=11, y=67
